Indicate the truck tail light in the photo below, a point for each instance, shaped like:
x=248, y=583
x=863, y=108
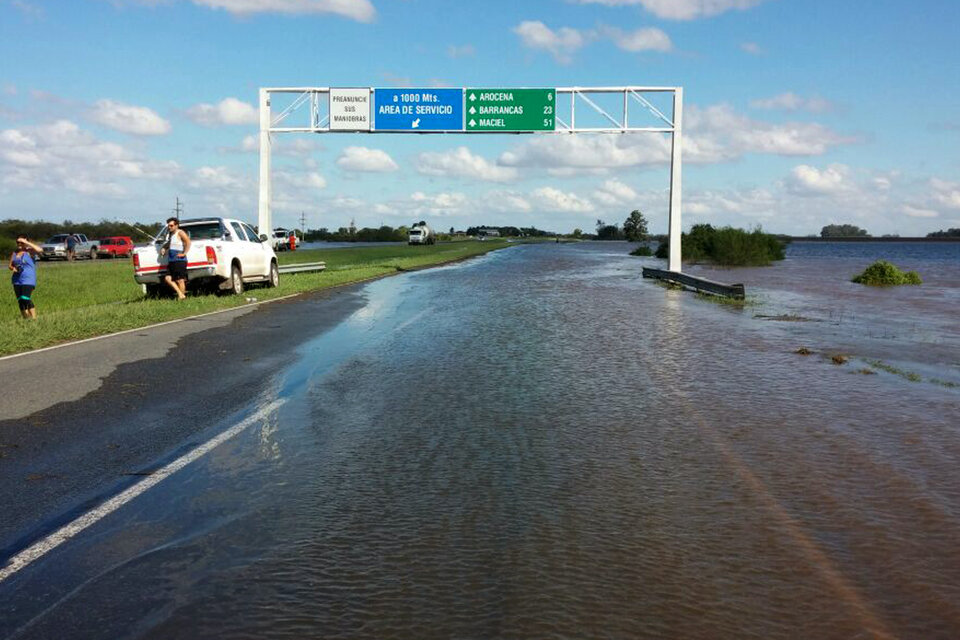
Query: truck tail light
x=136, y=261
x=211, y=256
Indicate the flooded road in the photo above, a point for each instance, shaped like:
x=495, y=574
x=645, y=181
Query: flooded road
x=540, y=444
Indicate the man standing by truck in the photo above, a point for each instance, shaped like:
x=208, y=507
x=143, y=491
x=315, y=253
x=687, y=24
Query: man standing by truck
x=72, y=241
x=176, y=248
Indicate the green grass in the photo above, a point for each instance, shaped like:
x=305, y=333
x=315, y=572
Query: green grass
x=906, y=375
x=86, y=299
x=884, y=274
x=738, y=303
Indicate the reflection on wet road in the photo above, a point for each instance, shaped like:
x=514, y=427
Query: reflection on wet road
x=540, y=444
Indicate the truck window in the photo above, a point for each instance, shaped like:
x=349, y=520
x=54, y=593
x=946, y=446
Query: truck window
x=203, y=230
x=238, y=233
x=251, y=234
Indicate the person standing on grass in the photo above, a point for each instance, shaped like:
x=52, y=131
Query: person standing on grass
x=177, y=246
x=24, y=278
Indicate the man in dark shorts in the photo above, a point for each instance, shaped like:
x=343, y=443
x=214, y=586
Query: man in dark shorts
x=72, y=247
x=177, y=246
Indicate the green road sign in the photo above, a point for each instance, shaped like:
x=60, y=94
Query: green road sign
x=510, y=109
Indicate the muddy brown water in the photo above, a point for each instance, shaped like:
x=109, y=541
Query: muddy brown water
x=540, y=444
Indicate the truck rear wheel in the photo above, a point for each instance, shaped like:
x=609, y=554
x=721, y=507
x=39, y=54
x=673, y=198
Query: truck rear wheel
x=93, y=254
x=274, y=275
x=236, y=280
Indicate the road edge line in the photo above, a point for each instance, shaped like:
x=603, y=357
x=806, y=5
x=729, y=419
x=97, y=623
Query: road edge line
x=39, y=549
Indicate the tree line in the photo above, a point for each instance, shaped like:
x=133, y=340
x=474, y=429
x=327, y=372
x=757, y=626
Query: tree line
x=39, y=230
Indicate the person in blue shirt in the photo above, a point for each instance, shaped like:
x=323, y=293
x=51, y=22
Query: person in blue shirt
x=24, y=278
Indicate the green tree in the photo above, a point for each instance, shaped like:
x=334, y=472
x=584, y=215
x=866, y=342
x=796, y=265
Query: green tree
x=635, y=226
x=577, y=232
x=842, y=231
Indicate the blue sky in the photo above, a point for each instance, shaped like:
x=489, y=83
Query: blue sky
x=798, y=113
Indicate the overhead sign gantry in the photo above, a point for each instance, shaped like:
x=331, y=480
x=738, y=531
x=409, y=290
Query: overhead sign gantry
x=473, y=110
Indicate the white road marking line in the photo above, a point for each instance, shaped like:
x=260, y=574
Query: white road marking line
x=68, y=531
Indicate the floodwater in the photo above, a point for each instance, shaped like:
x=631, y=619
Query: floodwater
x=541, y=444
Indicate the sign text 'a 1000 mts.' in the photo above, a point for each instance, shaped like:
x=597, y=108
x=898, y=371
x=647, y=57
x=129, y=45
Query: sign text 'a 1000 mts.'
x=418, y=109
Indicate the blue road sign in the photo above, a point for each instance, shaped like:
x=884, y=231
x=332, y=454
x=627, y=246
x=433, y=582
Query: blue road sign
x=418, y=109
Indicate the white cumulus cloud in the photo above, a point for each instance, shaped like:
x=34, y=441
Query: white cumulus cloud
x=680, y=9
x=61, y=155
x=128, y=118
x=550, y=199
x=461, y=163
x=918, y=212
x=359, y=10
x=613, y=192
x=229, y=111
x=438, y=204
x=561, y=43
x=945, y=193
x=790, y=101
x=645, y=39
x=366, y=160
x=805, y=180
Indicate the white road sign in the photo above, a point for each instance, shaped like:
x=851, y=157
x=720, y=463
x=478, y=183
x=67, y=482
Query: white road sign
x=350, y=109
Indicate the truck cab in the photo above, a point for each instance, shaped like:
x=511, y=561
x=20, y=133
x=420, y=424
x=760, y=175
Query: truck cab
x=420, y=233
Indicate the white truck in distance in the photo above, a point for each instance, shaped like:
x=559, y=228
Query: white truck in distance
x=224, y=253
x=420, y=233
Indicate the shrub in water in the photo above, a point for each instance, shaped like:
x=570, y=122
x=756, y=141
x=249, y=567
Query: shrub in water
x=884, y=274
x=642, y=250
x=728, y=246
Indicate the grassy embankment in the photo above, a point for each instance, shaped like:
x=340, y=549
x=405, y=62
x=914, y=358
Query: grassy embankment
x=86, y=299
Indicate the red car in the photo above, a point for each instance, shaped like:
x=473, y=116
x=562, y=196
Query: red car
x=115, y=247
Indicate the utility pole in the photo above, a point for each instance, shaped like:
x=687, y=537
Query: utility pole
x=178, y=210
x=303, y=225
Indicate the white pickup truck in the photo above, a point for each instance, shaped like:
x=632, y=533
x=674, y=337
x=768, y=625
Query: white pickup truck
x=223, y=253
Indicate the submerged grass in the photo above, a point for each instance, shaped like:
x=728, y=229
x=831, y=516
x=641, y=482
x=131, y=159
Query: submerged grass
x=883, y=366
x=738, y=303
x=82, y=300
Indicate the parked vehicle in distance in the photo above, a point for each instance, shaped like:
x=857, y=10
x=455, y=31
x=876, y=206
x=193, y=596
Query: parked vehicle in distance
x=56, y=247
x=224, y=254
x=281, y=239
x=420, y=233
x=115, y=247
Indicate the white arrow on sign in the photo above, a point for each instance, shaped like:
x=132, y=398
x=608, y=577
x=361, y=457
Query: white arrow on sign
x=416, y=123
x=473, y=110
x=472, y=97
x=473, y=122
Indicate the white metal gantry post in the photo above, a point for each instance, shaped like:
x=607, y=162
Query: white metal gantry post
x=676, y=227
x=265, y=220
